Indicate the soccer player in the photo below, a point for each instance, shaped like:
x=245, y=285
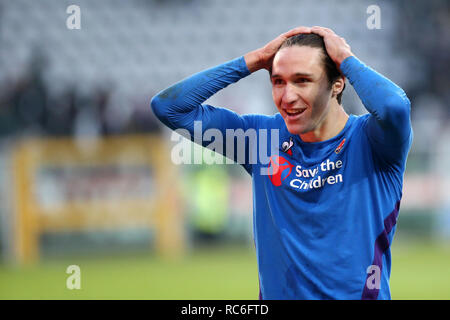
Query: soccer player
x=325, y=212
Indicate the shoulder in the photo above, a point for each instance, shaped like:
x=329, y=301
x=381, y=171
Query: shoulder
x=356, y=124
x=359, y=124
x=361, y=120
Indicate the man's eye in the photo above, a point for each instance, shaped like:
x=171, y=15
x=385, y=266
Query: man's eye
x=277, y=81
x=301, y=80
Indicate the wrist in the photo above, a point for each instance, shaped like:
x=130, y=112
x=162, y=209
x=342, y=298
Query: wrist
x=253, y=61
x=342, y=57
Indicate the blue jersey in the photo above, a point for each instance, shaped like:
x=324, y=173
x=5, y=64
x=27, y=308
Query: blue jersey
x=324, y=213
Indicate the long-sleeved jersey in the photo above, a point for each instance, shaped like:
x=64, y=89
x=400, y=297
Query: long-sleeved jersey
x=324, y=213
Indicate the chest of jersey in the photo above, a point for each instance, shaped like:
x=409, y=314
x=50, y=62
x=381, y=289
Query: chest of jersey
x=306, y=170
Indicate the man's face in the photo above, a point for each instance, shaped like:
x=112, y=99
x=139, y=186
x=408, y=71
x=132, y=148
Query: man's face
x=300, y=88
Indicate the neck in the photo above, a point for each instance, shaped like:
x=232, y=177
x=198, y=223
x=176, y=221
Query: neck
x=329, y=126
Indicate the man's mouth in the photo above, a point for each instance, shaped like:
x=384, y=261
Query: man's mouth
x=294, y=113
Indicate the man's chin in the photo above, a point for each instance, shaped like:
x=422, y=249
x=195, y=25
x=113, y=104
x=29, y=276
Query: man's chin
x=295, y=129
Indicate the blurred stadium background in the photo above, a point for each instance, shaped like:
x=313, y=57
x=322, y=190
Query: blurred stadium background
x=86, y=175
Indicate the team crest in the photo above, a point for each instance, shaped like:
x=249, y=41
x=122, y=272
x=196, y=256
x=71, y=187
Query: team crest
x=287, y=146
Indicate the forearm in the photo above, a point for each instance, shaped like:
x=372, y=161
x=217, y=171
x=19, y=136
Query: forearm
x=176, y=106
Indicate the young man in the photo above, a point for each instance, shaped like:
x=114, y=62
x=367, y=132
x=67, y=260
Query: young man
x=325, y=210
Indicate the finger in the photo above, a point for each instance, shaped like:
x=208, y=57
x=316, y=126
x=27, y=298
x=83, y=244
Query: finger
x=322, y=31
x=319, y=30
x=302, y=29
x=328, y=30
x=297, y=30
x=322, y=28
x=294, y=32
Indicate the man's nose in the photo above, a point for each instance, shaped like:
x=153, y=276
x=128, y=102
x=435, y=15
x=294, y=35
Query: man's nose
x=289, y=94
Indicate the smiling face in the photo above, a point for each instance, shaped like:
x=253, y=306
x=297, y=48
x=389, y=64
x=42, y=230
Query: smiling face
x=300, y=88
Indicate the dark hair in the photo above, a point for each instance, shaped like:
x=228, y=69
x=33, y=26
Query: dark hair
x=315, y=41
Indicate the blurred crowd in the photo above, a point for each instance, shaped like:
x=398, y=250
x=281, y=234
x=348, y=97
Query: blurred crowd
x=424, y=27
x=28, y=106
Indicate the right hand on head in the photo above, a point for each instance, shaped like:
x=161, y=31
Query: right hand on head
x=262, y=58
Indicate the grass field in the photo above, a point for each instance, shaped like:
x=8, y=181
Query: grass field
x=418, y=272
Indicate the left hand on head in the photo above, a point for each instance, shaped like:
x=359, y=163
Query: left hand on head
x=337, y=48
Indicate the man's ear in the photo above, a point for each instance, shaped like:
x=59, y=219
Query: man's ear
x=338, y=86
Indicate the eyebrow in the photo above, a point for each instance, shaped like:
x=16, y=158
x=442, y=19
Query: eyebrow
x=297, y=74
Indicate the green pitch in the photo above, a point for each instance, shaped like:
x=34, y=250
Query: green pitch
x=203, y=274
x=418, y=272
